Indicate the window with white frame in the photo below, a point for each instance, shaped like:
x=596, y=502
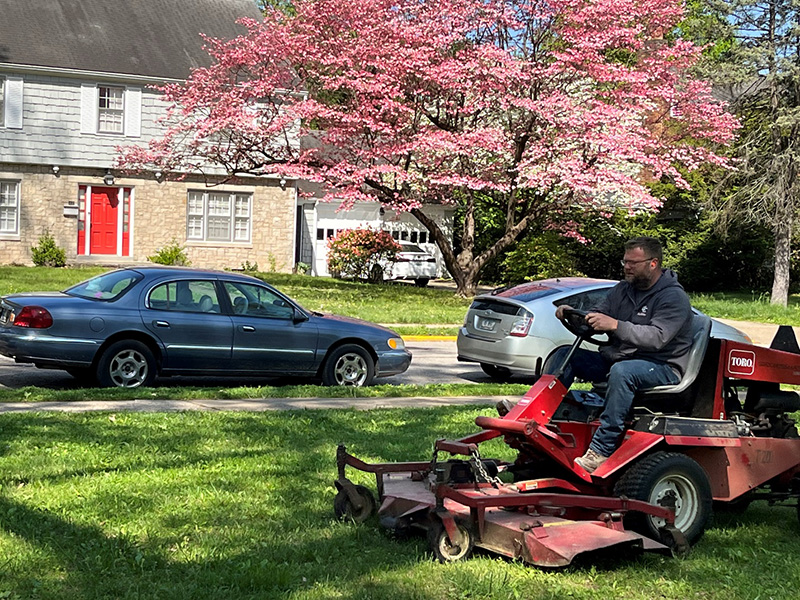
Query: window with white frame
x=218, y=216
x=110, y=110
x=9, y=207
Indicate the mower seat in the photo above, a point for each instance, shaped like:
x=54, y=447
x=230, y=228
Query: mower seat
x=701, y=331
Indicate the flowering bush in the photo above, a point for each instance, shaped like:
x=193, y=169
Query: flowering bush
x=361, y=253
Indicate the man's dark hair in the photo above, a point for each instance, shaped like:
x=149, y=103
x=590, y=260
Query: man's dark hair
x=650, y=245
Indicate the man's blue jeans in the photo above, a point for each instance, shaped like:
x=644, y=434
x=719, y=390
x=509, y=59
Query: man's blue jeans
x=624, y=378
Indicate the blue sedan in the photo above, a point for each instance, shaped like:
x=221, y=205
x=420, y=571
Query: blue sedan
x=125, y=327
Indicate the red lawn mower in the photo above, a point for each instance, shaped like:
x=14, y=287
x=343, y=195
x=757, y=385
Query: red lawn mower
x=721, y=435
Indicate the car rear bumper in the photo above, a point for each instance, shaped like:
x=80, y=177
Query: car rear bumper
x=526, y=354
x=41, y=348
x=392, y=362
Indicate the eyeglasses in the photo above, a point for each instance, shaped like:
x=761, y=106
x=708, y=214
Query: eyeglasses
x=626, y=263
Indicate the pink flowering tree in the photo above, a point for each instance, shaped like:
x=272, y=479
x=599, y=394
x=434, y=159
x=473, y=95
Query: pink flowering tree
x=525, y=105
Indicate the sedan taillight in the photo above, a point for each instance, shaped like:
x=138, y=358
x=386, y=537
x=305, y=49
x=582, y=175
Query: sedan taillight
x=34, y=317
x=522, y=326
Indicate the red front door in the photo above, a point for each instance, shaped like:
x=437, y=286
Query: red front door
x=103, y=219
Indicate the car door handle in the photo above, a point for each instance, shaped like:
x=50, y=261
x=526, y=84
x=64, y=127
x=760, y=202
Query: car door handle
x=248, y=328
x=160, y=323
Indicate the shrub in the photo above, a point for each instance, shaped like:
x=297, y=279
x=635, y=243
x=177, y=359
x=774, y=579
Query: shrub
x=171, y=254
x=249, y=267
x=47, y=253
x=361, y=254
x=542, y=257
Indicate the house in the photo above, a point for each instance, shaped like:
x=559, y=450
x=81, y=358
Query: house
x=76, y=82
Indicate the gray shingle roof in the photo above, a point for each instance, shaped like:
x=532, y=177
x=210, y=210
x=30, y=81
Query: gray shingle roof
x=156, y=38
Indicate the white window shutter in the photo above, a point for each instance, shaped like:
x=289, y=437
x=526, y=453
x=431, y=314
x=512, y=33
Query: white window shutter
x=13, y=102
x=133, y=112
x=88, y=108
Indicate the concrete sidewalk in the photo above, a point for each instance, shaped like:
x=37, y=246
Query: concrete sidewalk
x=257, y=405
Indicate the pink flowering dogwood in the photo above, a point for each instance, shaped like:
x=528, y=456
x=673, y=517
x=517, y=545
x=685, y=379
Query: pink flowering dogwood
x=530, y=105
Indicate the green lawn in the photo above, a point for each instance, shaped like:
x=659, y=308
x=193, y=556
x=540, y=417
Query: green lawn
x=239, y=506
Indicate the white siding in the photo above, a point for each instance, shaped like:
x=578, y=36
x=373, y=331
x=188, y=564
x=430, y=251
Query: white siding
x=57, y=111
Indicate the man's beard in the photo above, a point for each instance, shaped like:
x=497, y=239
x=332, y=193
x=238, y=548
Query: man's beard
x=640, y=282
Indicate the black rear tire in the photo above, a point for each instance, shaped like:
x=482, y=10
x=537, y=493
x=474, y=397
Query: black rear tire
x=664, y=478
x=496, y=373
x=421, y=282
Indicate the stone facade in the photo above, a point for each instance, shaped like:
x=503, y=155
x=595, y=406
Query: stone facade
x=159, y=215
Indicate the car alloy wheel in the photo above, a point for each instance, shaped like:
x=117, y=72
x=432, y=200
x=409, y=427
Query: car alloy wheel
x=349, y=365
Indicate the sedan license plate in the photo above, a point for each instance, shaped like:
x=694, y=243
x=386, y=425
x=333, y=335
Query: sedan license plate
x=485, y=324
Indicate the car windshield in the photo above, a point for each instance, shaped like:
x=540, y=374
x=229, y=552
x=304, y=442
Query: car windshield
x=410, y=248
x=108, y=286
x=527, y=292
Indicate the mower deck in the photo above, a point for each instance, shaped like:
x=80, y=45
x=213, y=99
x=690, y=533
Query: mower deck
x=523, y=533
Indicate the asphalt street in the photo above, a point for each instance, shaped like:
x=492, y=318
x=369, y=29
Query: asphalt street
x=432, y=362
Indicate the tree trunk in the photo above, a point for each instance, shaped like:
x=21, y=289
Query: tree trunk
x=783, y=250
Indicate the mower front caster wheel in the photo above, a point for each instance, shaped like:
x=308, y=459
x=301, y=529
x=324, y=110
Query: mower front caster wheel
x=346, y=510
x=446, y=551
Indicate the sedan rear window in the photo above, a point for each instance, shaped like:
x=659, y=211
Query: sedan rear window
x=527, y=292
x=108, y=286
x=501, y=308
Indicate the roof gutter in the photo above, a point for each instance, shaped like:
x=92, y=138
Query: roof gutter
x=86, y=74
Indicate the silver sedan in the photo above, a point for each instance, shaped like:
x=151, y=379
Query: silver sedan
x=516, y=330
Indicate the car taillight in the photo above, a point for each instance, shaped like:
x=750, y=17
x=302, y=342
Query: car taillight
x=34, y=317
x=522, y=326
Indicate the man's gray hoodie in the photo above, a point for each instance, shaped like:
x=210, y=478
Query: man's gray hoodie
x=654, y=324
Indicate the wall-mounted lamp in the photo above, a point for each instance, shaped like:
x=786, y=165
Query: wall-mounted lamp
x=108, y=178
x=158, y=175
x=55, y=169
x=283, y=183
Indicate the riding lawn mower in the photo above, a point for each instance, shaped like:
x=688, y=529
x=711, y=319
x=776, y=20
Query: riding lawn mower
x=721, y=436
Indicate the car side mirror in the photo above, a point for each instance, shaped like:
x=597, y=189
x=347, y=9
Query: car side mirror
x=298, y=316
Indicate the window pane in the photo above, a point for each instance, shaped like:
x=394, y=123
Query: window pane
x=219, y=204
x=8, y=206
x=195, y=203
x=2, y=100
x=110, y=113
x=218, y=216
x=242, y=230
x=195, y=228
x=256, y=301
x=219, y=228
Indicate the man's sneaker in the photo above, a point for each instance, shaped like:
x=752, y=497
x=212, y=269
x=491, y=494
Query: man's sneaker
x=590, y=461
x=504, y=407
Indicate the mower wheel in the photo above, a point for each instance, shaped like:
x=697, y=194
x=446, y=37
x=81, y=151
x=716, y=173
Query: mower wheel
x=668, y=479
x=345, y=510
x=443, y=549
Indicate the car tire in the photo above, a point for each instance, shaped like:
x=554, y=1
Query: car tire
x=421, y=282
x=126, y=364
x=350, y=364
x=497, y=373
